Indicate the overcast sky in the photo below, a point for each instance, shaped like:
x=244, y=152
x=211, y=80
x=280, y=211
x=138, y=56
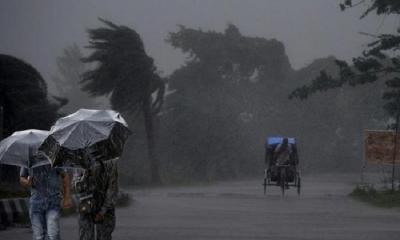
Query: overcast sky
x=38, y=30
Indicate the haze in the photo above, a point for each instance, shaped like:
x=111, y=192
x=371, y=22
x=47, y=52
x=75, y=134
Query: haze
x=37, y=31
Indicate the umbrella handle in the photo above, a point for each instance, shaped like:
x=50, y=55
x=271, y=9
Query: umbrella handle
x=30, y=169
x=29, y=157
x=30, y=173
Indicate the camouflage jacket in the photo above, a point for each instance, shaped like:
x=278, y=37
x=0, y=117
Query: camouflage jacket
x=105, y=189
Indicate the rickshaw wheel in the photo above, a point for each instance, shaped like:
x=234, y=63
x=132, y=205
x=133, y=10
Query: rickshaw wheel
x=265, y=180
x=265, y=185
x=298, y=185
x=282, y=179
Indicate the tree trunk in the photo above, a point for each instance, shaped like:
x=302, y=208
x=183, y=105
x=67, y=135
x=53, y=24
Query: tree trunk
x=1, y=122
x=148, y=121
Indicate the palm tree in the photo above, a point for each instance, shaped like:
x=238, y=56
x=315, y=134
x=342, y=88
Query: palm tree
x=126, y=73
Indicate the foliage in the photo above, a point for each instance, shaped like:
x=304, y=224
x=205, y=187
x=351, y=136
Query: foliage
x=379, y=61
x=379, y=6
x=23, y=95
x=124, y=199
x=231, y=94
x=231, y=52
x=222, y=99
x=123, y=69
x=126, y=73
x=380, y=198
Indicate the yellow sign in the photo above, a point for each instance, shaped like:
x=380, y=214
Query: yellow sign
x=379, y=147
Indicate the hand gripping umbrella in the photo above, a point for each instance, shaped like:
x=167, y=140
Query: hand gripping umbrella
x=21, y=149
x=84, y=135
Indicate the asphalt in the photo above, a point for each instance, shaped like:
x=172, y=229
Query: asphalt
x=240, y=210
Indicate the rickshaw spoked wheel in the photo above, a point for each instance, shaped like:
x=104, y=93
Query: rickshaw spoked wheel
x=282, y=179
x=298, y=184
x=265, y=180
x=265, y=185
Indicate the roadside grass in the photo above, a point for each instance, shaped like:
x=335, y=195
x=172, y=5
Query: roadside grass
x=380, y=198
x=124, y=200
x=10, y=191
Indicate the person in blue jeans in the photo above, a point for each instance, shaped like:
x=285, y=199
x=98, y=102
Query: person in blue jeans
x=50, y=190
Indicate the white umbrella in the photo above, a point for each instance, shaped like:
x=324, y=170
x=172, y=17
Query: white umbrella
x=86, y=132
x=21, y=149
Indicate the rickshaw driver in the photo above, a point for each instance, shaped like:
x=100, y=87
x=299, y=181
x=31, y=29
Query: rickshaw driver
x=282, y=153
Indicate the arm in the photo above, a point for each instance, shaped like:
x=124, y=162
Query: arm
x=24, y=179
x=67, y=203
x=275, y=153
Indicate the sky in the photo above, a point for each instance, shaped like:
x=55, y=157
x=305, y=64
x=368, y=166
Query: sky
x=38, y=30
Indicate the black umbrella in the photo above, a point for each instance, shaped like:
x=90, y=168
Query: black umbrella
x=85, y=135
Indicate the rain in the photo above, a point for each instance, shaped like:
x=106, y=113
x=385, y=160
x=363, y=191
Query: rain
x=189, y=119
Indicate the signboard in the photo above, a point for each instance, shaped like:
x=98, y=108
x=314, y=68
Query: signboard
x=379, y=147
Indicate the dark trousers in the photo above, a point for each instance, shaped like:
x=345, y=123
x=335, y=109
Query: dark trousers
x=104, y=229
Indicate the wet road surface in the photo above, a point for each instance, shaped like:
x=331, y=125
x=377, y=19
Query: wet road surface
x=239, y=210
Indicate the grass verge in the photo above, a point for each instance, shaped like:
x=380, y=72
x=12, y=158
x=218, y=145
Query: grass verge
x=11, y=193
x=379, y=198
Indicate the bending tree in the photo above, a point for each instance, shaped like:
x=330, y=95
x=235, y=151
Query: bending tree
x=126, y=73
x=225, y=93
x=379, y=61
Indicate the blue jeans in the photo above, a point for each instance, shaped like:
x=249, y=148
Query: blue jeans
x=45, y=218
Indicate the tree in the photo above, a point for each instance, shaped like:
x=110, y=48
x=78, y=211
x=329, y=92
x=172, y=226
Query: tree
x=23, y=99
x=68, y=81
x=223, y=100
x=379, y=61
x=232, y=93
x=126, y=73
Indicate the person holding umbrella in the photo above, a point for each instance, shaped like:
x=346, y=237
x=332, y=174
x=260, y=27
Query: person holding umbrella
x=49, y=187
x=97, y=219
x=92, y=140
x=21, y=149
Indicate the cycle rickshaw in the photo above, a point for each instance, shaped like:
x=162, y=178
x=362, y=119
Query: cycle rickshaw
x=283, y=175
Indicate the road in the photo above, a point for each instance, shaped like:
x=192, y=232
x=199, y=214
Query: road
x=239, y=210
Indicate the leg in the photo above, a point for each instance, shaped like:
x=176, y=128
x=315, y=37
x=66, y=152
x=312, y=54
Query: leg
x=53, y=224
x=105, y=229
x=287, y=177
x=38, y=220
x=86, y=227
